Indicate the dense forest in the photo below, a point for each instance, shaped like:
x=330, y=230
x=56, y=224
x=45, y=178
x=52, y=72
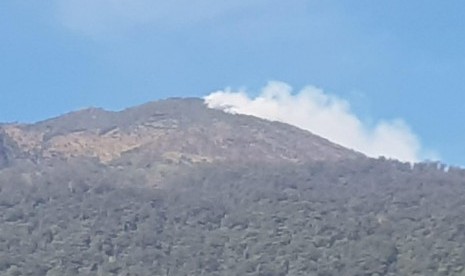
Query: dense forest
x=351, y=217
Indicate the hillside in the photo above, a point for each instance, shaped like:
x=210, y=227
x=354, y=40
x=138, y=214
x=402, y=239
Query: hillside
x=175, y=188
x=174, y=130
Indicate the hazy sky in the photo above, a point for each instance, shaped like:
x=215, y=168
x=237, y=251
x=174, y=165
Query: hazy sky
x=386, y=66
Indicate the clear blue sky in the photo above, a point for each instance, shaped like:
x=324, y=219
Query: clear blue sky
x=390, y=59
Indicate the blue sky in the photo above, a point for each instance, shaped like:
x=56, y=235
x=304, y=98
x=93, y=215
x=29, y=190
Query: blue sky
x=389, y=59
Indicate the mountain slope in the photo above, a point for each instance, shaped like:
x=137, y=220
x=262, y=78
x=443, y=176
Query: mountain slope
x=172, y=130
x=350, y=217
x=175, y=188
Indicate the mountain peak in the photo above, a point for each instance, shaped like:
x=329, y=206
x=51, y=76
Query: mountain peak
x=171, y=130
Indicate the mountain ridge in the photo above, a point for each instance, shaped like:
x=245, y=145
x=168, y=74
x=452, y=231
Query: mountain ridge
x=182, y=127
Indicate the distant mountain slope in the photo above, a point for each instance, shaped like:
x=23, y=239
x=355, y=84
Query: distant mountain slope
x=173, y=130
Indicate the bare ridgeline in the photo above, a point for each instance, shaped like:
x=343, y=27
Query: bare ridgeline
x=175, y=188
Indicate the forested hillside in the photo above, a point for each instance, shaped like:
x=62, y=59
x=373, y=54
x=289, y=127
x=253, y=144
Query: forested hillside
x=369, y=217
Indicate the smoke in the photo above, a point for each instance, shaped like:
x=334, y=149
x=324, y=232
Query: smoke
x=325, y=115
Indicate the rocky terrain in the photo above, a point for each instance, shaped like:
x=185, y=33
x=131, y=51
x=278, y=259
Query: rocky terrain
x=175, y=188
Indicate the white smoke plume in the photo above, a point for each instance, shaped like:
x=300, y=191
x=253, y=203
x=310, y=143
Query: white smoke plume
x=325, y=115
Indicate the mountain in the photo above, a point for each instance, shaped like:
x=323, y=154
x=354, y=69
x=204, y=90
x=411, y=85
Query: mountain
x=175, y=188
x=161, y=134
